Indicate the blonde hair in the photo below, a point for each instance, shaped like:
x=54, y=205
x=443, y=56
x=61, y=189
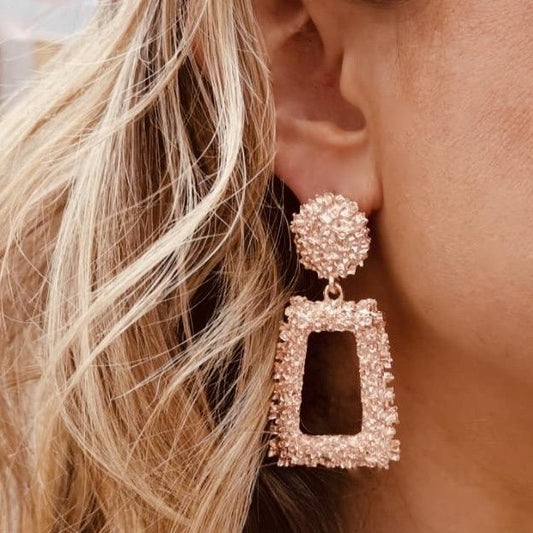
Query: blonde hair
x=142, y=282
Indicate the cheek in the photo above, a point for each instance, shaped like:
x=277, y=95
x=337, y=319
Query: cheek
x=455, y=157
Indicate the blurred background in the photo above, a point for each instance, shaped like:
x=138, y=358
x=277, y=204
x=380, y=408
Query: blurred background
x=30, y=32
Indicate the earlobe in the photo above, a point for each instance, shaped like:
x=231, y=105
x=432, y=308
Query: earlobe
x=322, y=139
x=315, y=157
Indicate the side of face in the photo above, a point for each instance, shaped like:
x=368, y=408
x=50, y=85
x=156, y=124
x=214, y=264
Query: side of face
x=430, y=111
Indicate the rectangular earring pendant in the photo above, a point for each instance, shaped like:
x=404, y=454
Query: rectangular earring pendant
x=374, y=445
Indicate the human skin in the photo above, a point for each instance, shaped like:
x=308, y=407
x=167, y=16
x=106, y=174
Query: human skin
x=422, y=111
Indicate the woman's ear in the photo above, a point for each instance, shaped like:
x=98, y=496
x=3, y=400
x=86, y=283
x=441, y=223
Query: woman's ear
x=322, y=139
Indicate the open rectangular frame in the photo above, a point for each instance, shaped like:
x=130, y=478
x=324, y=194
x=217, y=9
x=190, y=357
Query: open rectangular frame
x=375, y=444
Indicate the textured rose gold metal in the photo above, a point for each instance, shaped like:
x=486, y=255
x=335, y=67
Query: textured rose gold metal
x=336, y=220
x=331, y=236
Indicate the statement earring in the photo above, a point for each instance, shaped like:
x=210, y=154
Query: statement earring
x=331, y=237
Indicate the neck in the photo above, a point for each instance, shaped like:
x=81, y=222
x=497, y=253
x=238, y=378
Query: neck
x=466, y=445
